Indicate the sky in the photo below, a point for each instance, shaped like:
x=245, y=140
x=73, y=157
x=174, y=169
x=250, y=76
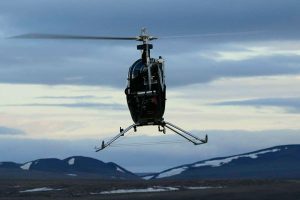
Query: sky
x=232, y=72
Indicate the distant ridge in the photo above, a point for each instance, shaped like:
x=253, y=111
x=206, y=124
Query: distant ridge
x=72, y=167
x=280, y=162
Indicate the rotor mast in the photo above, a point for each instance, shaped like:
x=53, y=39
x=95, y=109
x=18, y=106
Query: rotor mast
x=145, y=38
x=145, y=47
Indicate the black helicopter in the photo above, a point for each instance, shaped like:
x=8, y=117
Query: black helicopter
x=145, y=91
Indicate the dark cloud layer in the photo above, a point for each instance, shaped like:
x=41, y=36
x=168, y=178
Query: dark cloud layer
x=163, y=17
x=106, y=62
x=97, y=106
x=201, y=70
x=68, y=97
x=102, y=67
x=289, y=104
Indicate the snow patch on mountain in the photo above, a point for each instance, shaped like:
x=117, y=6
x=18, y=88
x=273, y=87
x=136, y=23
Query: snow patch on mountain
x=172, y=172
x=71, y=161
x=147, y=177
x=120, y=170
x=220, y=162
x=26, y=166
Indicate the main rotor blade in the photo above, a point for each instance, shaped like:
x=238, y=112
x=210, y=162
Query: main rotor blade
x=211, y=34
x=74, y=37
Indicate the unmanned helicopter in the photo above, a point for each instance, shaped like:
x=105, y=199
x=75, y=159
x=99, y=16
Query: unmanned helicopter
x=145, y=91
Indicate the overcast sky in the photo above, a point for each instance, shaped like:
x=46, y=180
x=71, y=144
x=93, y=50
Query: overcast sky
x=233, y=72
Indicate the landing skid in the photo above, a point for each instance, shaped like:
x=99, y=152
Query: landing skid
x=162, y=128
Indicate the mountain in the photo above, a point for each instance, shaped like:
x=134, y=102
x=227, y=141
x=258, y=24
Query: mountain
x=276, y=162
x=72, y=167
x=280, y=162
x=10, y=165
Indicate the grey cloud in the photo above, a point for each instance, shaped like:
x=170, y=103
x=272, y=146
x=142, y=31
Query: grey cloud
x=75, y=105
x=10, y=131
x=289, y=104
x=59, y=64
x=106, y=62
x=68, y=97
x=200, y=70
x=126, y=17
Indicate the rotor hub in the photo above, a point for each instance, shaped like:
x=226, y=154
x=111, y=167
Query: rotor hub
x=145, y=37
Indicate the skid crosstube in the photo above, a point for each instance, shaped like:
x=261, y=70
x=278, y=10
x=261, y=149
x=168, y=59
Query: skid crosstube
x=162, y=128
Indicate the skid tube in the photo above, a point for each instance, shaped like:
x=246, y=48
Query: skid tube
x=161, y=128
x=122, y=133
x=188, y=136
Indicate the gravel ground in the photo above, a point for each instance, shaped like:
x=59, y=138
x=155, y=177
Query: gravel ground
x=202, y=189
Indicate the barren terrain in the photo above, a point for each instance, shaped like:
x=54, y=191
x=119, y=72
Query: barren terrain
x=196, y=189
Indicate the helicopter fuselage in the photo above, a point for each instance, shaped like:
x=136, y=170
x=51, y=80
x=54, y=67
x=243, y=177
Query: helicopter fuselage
x=146, y=91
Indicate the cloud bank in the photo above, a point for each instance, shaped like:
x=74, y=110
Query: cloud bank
x=10, y=131
x=289, y=104
x=106, y=62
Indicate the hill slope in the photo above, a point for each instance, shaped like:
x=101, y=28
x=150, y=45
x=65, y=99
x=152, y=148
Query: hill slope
x=276, y=162
x=72, y=167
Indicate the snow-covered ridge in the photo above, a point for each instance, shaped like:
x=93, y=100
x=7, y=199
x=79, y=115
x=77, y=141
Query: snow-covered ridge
x=213, y=163
x=172, y=172
x=220, y=162
x=26, y=166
